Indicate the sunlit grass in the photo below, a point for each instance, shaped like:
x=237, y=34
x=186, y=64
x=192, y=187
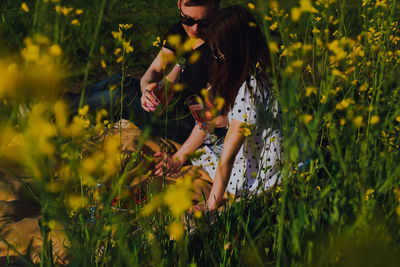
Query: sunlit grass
x=335, y=74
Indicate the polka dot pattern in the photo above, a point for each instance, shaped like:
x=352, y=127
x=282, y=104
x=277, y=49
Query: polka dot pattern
x=256, y=164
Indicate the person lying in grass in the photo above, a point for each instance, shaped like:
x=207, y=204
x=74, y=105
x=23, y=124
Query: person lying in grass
x=249, y=157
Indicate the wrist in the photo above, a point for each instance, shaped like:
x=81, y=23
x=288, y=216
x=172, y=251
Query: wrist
x=211, y=204
x=181, y=158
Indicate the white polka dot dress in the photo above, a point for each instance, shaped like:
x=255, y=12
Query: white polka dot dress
x=256, y=164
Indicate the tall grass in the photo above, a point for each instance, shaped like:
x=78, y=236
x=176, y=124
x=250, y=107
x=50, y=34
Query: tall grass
x=335, y=74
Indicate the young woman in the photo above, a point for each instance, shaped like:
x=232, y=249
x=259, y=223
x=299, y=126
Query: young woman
x=251, y=149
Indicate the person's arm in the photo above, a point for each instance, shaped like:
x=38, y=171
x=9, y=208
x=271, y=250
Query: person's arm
x=176, y=161
x=232, y=143
x=155, y=72
x=153, y=75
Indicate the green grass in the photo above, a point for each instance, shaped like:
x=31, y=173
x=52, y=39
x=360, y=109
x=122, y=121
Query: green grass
x=341, y=113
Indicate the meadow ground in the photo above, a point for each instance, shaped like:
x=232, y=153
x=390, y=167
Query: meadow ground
x=334, y=71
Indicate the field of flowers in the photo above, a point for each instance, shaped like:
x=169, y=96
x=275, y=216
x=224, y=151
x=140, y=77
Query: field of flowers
x=335, y=72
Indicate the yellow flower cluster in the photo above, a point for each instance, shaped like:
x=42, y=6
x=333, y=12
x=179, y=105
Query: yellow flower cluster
x=67, y=11
x=126, y=46
x=305, y=6
x=178, y=198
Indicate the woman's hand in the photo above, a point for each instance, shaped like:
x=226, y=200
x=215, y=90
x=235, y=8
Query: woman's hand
x=148, y=100
x=172, y=163
x=202, y=207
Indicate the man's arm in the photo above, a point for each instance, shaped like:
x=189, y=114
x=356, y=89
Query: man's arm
x=154, y=74
x=156, y=70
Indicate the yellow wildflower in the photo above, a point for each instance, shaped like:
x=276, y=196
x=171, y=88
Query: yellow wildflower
x=188, y=44
x=127, y=46
x=76, y=202
x=175, y=230
x=120, y=59
x=63, y=10
x=338, y=73
x=178, y=87
x=103, y=64
x=306, y=6
x=369, y=194
x=297, y=63
x=40, y=131
x=251, y=6
x=375, y=119
x=310, y=90
x=112, y=87
x=198, y=214
x=125, y=26
x=112, y=160
x=308, y=68
x=316, y=31
x=363, y=87
x=296, y=13
x=117, y=35
x=151, y=207
x=55, y=50
x=174, y=40
x=273, y=47
x=24, y=7
x=349, y=70
x=31, y=52
x=83, y=111
x=117, y=51
x=157, y=42
x=60, y=113
x=102, y=50
x=194, y=57
x=219, y=103
x=358, y=121
x=246, y=132
x=274, y=26
x=345, y=103
x=75, y=22
x=227, y=245
x=307, y=118
x=179, y=197
x=79, y=11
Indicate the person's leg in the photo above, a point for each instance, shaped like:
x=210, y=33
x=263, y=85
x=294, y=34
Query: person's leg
x=97, y=96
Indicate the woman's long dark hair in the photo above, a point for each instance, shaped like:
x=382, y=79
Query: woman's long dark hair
x=238, y=45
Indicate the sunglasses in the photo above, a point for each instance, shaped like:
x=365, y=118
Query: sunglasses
x=202, y=23
x=188, y=21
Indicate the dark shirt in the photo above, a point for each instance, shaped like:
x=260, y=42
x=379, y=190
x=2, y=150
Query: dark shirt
x=195, y=76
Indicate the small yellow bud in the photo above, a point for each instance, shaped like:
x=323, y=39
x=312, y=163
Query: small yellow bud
x=375, y=119
x=24, y=7
x=55, y=50
x=251, y=6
